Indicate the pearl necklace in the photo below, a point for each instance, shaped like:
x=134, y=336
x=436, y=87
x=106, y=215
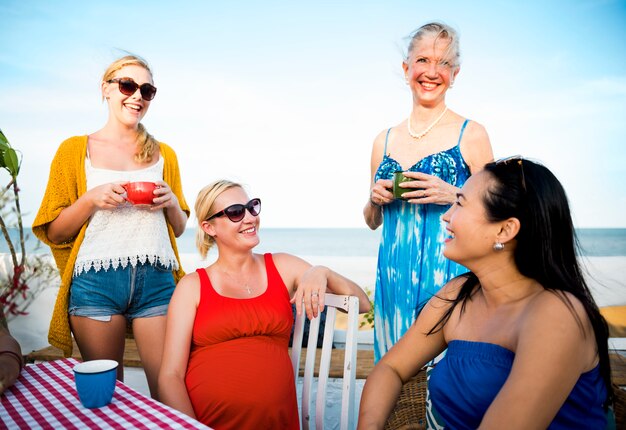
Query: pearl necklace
x=418, y=136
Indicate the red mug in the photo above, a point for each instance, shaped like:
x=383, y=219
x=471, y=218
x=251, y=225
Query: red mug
x=140, y=193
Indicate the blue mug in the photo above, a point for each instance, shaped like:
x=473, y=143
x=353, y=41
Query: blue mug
x=95, y=382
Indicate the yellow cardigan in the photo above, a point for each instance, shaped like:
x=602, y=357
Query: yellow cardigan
x=67, y=182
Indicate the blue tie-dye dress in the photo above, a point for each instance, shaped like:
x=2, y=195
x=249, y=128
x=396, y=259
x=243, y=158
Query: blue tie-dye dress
x=411, y=265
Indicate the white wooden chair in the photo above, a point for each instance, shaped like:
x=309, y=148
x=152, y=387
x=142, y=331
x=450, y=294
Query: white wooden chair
x=350, y=304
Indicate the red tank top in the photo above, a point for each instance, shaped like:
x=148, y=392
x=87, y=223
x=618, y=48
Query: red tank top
x=239, y=374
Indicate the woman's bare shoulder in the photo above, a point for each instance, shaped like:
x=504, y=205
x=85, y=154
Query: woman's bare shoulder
x=556, y=317
x=189, y=280
x=288, y=262
x=379, y=140
x=476, y=146
x=445, y=297
x=556, y=323
x=451, y=290
x=557, y=306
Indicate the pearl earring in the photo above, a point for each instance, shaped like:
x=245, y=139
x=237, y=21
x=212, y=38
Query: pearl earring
x=498, y=246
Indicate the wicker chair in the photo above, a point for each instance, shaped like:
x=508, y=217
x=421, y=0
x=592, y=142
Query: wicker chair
x=410, y=410
x=619, y=407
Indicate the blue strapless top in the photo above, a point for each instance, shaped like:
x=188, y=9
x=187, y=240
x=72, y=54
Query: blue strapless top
x=465, y=382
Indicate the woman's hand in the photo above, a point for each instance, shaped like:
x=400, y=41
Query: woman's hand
x=318, y=280
x=106, y=196
x=380, y=194
x=424, y=188
x=311, y=289
x=165, y=198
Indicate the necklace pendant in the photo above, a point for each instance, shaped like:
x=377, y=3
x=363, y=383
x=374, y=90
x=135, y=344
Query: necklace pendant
x=248, y=289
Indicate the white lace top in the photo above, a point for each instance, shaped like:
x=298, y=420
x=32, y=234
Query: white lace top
x=127, y=234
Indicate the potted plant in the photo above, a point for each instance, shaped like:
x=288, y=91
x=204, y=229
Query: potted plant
x=22, y=277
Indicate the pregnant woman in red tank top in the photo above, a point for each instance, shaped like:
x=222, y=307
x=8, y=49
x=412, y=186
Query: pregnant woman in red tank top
x=226, y=360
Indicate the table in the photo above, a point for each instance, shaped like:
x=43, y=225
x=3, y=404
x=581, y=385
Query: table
x=45, y=397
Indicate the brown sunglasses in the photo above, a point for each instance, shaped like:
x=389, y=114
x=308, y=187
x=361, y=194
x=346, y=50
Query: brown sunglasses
x=128, y=87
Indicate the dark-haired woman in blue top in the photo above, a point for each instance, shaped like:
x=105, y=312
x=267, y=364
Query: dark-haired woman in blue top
x=527, y=346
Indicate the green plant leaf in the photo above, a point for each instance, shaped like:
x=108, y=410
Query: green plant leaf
x=8, y=157
x=11, y=162
x=3, y=139
x=4, y=146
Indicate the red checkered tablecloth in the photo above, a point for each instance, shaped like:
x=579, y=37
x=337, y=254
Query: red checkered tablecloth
x=45, y=397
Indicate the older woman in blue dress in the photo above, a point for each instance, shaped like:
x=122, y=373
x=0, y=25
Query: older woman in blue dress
x=437, y=149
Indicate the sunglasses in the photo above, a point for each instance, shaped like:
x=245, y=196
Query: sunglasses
x=128, y=87
x=515, y=159
x=235, y=213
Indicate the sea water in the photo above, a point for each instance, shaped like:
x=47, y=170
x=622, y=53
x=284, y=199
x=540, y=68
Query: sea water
x=353, y=242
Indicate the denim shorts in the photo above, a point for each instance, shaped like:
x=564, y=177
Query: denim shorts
x=135, y=292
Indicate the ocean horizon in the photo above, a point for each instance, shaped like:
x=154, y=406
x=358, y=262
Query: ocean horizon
x=353, y=242
x=351, y=252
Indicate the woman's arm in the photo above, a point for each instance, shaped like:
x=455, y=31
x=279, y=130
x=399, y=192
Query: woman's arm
x=180, y=318
x=476, y=147
x=379, y=191
x=380, y=393
x=11, y=361
x=167, y=200
x=177, y=218
x=551, y=354
x=70, y=220
x=309, y=283
x=402, y=362
x=319, y=280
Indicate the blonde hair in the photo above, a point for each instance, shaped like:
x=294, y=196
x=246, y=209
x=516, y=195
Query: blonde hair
x=204, y=206
x=146, y=143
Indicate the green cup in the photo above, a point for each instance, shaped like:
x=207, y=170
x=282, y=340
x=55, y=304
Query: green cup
x=398, y=178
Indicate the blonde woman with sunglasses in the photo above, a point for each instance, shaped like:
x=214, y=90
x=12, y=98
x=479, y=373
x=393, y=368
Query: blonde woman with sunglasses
x=226, y=360
x=118, y=262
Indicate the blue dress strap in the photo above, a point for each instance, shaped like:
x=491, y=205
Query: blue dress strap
x=462, y=130
x=386, y=139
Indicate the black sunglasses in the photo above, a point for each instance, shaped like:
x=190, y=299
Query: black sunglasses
x=128, y=87
x=235, y=213
x=515, y=159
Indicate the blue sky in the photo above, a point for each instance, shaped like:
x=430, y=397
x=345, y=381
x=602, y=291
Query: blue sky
x=287, y=97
